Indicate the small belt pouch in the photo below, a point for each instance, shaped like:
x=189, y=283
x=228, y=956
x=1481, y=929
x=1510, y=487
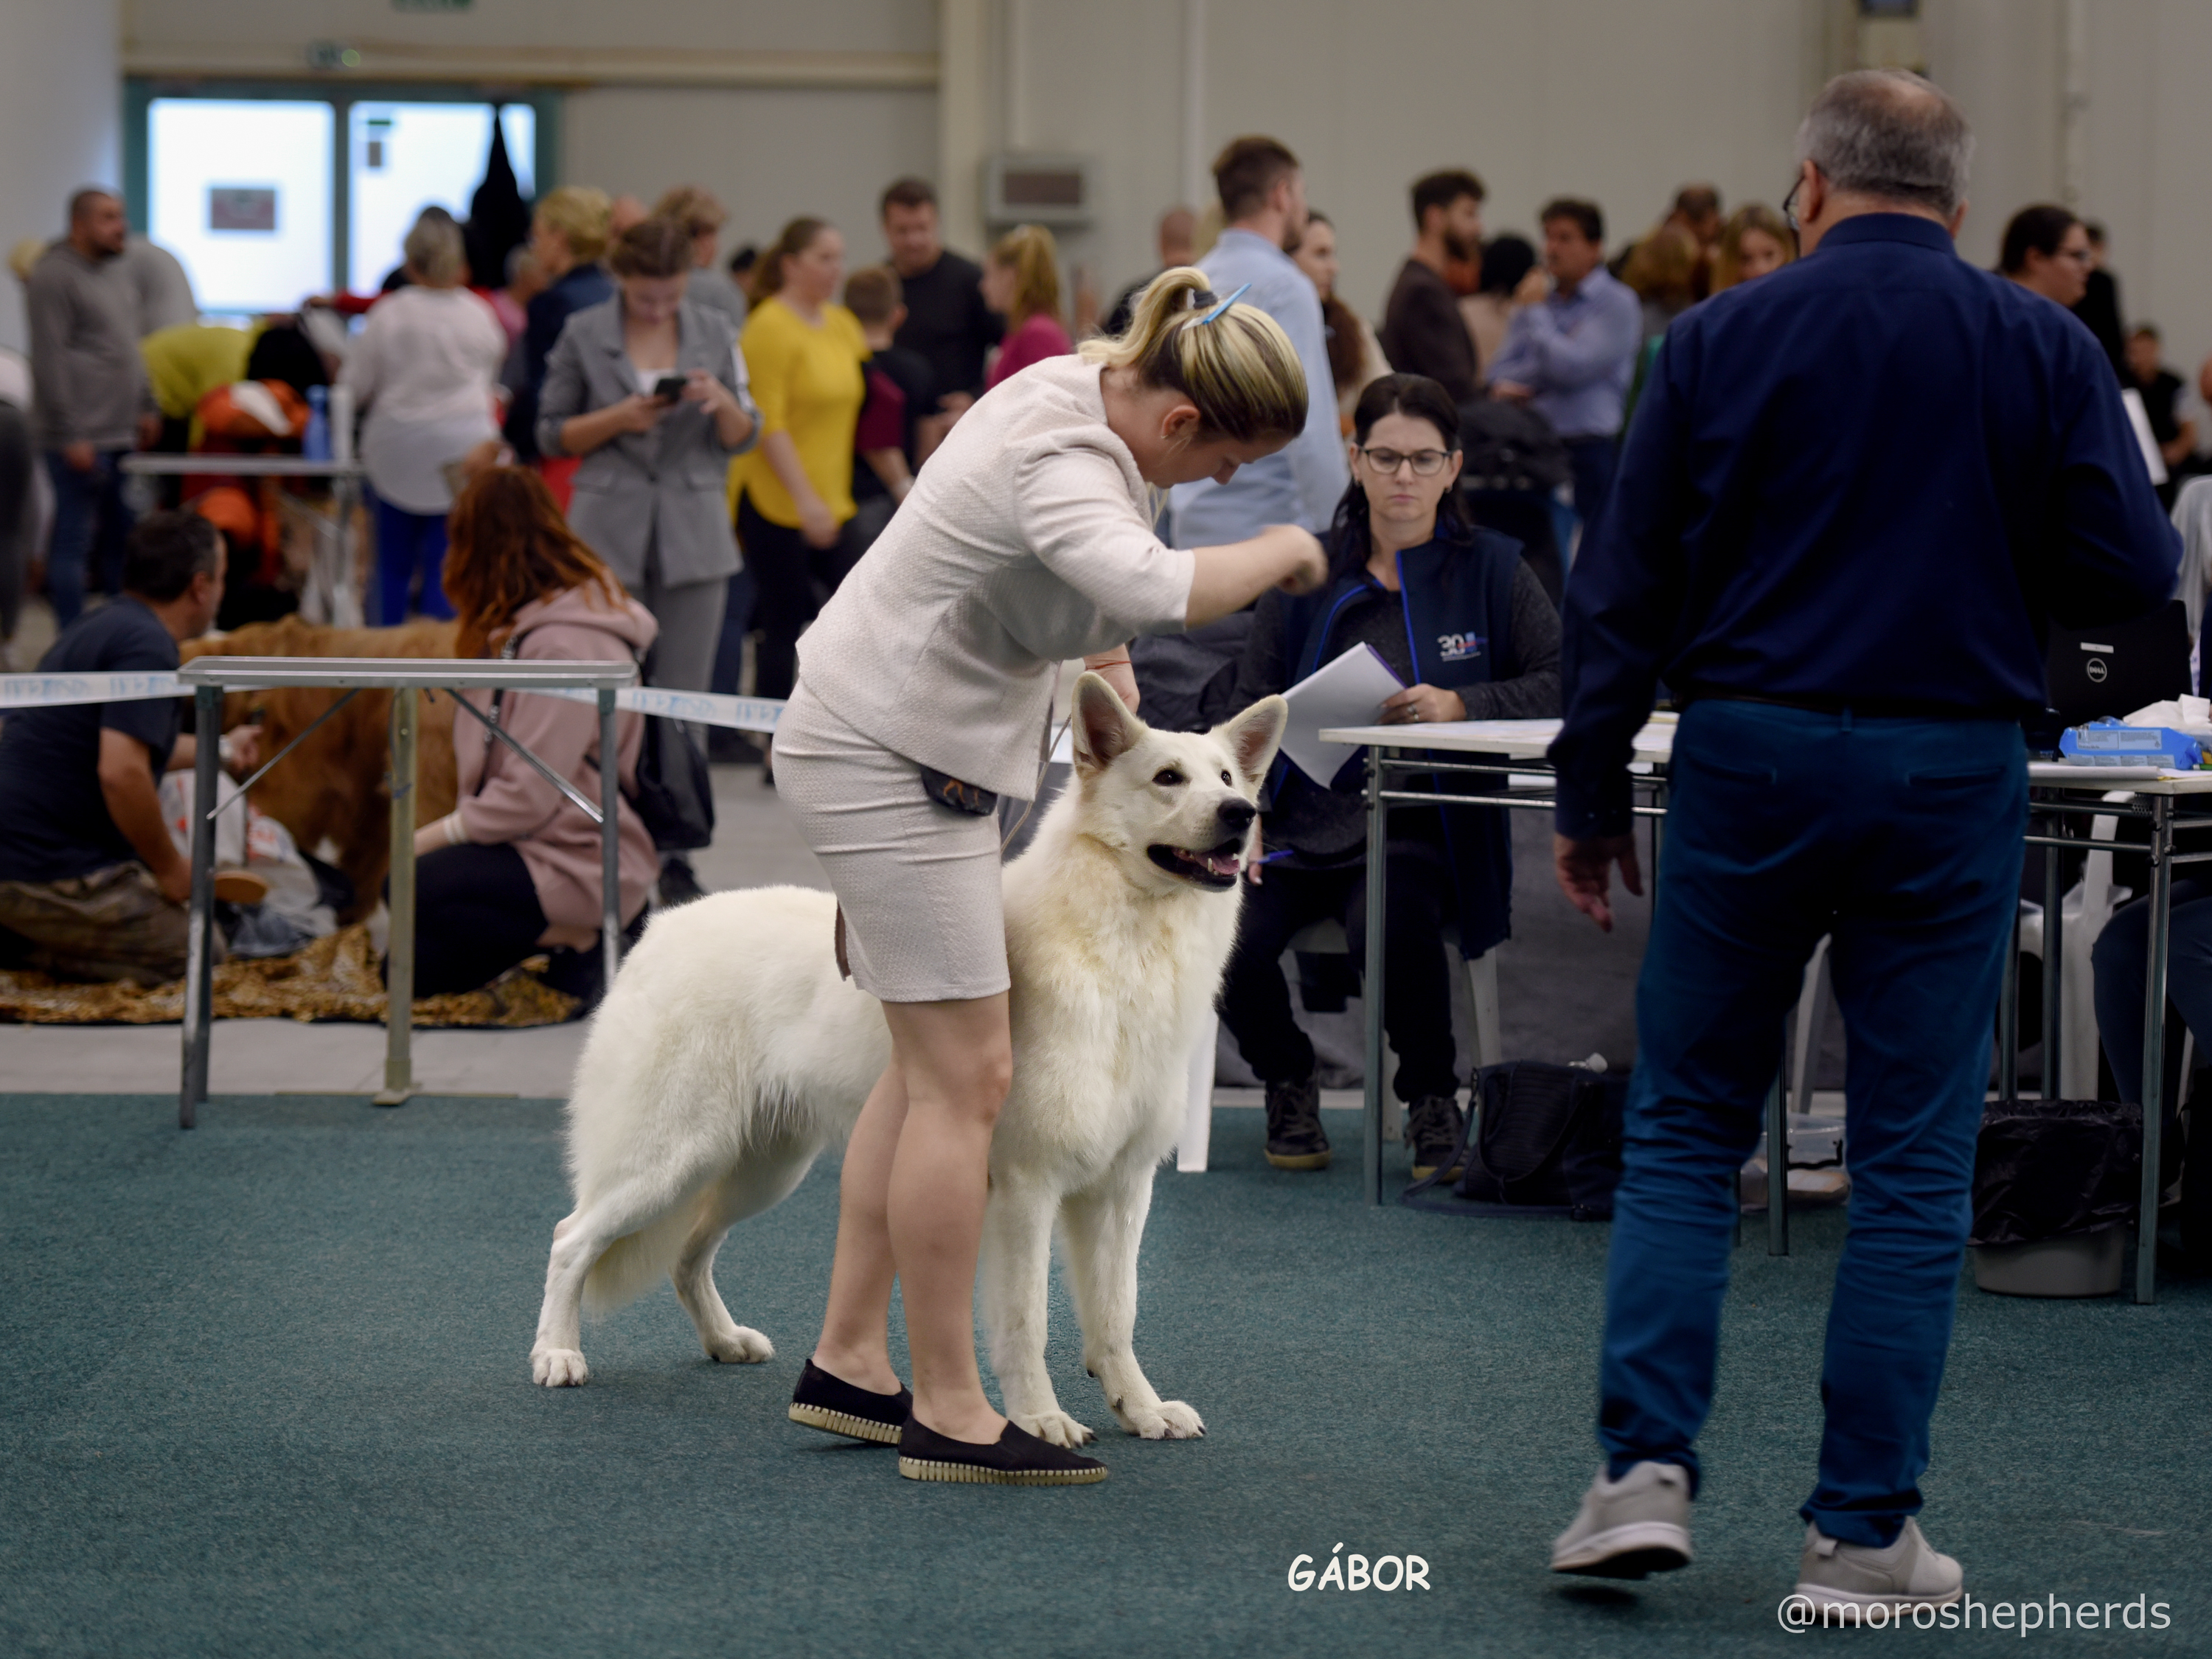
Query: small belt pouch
x=948, y=791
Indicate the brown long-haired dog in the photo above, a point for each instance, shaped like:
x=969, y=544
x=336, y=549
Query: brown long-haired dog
x=332, y=788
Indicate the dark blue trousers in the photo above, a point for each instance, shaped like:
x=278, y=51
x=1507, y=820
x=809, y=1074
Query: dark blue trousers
x=409, y=546
x=1901, y=839
x=91, y=522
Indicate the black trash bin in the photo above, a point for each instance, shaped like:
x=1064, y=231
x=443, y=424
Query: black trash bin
x=2055, y=1183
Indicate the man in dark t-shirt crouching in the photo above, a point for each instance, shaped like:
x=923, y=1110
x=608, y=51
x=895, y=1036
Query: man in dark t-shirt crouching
x=92, y=885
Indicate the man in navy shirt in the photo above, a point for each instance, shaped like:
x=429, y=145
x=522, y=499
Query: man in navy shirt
x=1855, y=494
x=92, y=885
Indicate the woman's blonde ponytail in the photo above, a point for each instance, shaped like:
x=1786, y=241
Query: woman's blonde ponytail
x=1239, y=369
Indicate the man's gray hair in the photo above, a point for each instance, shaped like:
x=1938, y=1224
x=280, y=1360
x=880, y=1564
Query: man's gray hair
x=433, y=248
x=1890, y=134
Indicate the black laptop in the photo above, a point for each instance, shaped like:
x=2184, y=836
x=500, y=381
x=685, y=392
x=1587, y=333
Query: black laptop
x=2115, y=670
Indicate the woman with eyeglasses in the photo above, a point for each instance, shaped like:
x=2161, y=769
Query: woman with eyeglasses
x=1466, y=626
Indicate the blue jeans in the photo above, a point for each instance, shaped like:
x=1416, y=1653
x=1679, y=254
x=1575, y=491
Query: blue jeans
x=89, y=515
x=1901, y=839
x=2123, y=973
x=408, y=543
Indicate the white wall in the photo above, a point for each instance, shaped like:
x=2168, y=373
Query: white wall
x=768, y=155
x=61, y=105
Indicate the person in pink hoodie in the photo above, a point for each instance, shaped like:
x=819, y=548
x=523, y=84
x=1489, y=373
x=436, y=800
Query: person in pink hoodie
x=513, y=869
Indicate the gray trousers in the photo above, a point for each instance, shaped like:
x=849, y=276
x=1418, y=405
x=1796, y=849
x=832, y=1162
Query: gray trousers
x=690, y=618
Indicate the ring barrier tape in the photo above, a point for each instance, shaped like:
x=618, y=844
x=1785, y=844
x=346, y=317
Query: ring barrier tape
x=697, y=707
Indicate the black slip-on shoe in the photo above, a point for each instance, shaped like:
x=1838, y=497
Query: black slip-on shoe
x=1435, y=1126
x=835, y=1406
x=1017, y=1458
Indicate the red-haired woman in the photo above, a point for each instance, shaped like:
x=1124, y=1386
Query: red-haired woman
x=513, y=869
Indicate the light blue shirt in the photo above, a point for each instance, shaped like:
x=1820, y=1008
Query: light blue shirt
x=1576, y=352
x=1300, y=484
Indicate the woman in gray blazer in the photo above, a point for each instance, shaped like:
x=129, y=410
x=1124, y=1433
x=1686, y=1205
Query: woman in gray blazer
x=650, y=389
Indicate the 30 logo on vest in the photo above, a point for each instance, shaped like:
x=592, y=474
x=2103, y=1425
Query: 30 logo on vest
x=1458, y=648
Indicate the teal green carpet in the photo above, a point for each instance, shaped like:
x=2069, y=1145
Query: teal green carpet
x=264, y=1390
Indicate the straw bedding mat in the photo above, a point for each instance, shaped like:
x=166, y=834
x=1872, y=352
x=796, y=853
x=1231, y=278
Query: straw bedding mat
x=332, y=979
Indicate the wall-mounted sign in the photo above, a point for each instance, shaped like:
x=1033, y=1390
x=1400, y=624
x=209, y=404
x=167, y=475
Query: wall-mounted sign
x=242, y=207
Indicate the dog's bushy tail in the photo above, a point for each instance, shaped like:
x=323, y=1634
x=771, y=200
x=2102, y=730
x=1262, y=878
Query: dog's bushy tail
x=636, y=1263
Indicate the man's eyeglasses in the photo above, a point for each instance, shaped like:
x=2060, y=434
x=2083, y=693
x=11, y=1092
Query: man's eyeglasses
x=1427, y=463
x=1789, y=205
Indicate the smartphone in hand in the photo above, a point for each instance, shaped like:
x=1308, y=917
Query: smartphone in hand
x=670, y=387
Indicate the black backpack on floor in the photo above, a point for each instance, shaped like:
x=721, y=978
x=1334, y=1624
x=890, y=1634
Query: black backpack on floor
x=1543, y=1139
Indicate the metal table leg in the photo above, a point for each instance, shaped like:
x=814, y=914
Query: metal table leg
x=1778, y=1169
x=2154, y=1071
x=2008, y=1016
x=199, y=925
x=399, y=951
x=2054, y=943
x=1370, y=992
x=609, y=841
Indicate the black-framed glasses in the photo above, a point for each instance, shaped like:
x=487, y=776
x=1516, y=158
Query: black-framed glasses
x=1789, y=205
x=1427, y=463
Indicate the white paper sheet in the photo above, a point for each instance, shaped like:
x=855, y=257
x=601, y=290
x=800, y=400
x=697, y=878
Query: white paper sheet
x=1349, y=691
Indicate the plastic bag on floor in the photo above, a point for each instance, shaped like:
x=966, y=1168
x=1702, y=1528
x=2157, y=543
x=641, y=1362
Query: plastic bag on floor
x=2055, y=1169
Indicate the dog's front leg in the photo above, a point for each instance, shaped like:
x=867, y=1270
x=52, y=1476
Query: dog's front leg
x=557, y=1360
x=1017, y=1285
x=1105, y=1228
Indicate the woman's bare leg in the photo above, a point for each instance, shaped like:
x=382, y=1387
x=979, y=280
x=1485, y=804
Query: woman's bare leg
x=956, y=1060
x=855, y=1336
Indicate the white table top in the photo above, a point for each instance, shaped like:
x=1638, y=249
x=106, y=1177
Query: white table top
x=1528, y=739
x=243, y=466
x=1516, y=740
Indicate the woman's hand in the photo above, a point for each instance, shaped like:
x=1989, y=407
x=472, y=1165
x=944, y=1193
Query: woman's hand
x=637, y=413
x=1423, y=705
x=816, y=522
x=1114, y=668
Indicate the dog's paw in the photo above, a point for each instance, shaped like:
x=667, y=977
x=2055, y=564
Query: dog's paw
x=1055, y=1426
x=740, y=1344
x=1171, y=1420
x=558, y=1367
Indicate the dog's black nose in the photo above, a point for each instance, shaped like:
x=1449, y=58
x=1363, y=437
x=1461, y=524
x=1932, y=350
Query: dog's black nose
x=1236, y=816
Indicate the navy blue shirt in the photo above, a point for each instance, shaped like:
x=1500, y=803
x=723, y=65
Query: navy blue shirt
x=55, y=824
x=1872, y=478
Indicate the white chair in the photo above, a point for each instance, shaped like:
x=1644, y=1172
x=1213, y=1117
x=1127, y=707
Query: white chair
x=1327, y=939
x=2083, y=913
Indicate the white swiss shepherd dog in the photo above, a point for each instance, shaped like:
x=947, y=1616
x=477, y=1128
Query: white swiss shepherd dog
x=730, y=1054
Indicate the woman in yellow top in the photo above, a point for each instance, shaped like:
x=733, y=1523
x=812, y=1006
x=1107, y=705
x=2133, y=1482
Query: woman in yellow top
x=803, y=355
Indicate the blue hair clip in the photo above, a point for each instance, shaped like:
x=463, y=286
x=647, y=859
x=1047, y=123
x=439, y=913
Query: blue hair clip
x=1222, y=306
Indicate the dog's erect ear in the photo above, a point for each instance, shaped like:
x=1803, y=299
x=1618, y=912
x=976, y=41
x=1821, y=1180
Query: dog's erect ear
x=1255, y=735
x=1103, y=726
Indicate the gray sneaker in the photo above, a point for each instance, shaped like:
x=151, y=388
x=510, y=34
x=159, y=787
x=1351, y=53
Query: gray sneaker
x=1908, y=1574
x=1630, y=1527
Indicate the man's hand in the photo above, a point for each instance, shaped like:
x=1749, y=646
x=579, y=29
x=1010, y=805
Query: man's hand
x=1511, y=392
x=80, y=457
x=1585, y=867
x=241, y=750
x=1534, y=288
x=175, y=881
x=149, y=431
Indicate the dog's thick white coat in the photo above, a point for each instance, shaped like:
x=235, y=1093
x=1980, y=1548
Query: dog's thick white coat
x=730, y=1054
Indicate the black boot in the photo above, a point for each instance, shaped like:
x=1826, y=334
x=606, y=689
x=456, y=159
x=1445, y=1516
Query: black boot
x=680, y=883
x=1295, y=1140
x=1434, y=1128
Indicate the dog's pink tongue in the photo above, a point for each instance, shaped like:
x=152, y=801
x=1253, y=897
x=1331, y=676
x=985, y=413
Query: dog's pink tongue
x=1221, y=864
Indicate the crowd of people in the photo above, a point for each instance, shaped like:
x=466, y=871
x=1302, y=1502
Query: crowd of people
x=715, y=444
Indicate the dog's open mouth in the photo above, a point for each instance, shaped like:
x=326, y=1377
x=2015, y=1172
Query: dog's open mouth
x=1216, y=868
